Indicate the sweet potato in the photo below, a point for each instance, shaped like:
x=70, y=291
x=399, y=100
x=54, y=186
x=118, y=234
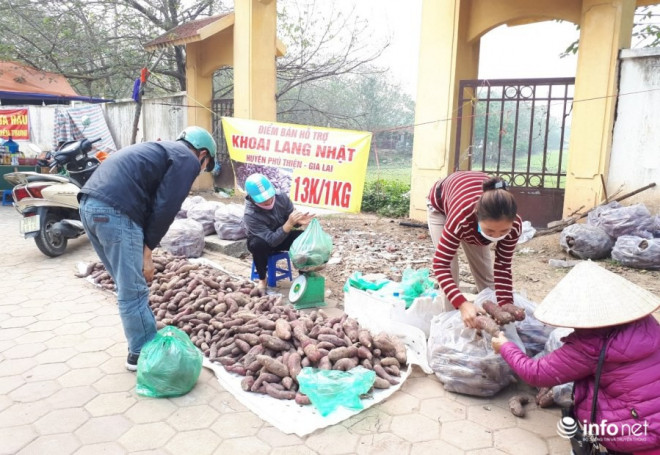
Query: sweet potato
x=250, y=338
x=334, y=339
x=501, y=317
x=517, y=312
x=274, y=343
x=312, y=353
x=345, y=364
x=324, y=363
x=393, y=370
x=263, y=377
x=380, y=371
x=342, y=352
x=544, y=397
x=293, y=364
x=242, y=345
x=516, y=404
x=273, y=366
x=283, y=329
x=383, y=342
x=302, y=399
x=351, y=328
x=486, y=324
x=287, y=382
x=364, y=337
x=364, y=353
x=380, y=383
x=387, y=361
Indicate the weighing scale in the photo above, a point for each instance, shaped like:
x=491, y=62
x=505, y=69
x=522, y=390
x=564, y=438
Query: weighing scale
x=307, y=291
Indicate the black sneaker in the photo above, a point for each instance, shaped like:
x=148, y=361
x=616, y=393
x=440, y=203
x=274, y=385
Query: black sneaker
x=132, y=361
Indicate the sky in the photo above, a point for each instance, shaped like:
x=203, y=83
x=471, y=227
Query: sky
x=524, y=51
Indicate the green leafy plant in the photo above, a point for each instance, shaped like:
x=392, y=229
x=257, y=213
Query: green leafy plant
x=387, y=198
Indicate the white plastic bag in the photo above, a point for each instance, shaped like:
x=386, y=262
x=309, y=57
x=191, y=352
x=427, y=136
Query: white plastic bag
x=378, y=314
x=637, y=252
x=527, y=232
x=188, y=203
x=586, y=241
x=632, y=220
x=228, y=222
x=185, y=237
x=463, y=360
x=562, y=394
x=204, y=213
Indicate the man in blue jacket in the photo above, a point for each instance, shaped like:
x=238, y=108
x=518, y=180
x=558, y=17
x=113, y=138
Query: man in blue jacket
x=127, y=206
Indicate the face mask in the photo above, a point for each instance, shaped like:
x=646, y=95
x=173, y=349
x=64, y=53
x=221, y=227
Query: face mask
x=488, y=237
x=269, y=206
x=210, y=163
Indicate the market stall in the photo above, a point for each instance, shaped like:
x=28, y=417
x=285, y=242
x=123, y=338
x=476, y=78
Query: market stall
x=21, y=87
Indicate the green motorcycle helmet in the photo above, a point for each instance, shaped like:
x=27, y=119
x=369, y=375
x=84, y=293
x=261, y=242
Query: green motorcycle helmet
x=199, y=138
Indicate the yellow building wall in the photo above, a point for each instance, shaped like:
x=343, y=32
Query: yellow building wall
x=606, y=27
x=449, y=52
x=250, y=47
x=446, y=57
x=255, y=42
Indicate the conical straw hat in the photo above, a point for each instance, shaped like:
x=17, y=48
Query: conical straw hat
x=590, y=296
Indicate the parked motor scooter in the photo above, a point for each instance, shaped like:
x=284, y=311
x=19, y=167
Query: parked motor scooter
x=49, y=202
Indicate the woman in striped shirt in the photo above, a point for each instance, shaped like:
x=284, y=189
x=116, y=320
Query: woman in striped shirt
x=472, y=209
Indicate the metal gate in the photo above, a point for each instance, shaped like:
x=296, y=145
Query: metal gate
x=518, y=129
x=221, y=108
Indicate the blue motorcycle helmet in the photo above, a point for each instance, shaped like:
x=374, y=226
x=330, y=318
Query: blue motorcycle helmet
x=200, y=139
x=259, y=188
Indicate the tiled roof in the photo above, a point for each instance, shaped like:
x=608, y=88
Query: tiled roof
x=182, y=34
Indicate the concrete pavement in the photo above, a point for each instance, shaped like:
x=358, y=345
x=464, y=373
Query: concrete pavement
x=64, y=388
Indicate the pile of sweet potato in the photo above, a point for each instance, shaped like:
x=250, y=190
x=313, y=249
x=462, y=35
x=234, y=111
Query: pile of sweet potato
x=257, y=336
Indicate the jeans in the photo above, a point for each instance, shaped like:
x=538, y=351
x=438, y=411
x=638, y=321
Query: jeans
x=119, y=243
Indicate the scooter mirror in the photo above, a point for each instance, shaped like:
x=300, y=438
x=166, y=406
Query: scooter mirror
x=86, y=121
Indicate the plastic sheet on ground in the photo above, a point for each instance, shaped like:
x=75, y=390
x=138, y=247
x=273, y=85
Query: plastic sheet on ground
x=288, y=416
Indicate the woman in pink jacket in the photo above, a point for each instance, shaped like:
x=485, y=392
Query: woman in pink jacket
x=606, y=311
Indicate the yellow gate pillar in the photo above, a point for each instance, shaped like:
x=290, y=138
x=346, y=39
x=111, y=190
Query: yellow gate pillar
x=446, y=56
x=255, y=40
x=199, y=88
x=605, y=27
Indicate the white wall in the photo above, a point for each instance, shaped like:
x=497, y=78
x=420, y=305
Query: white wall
x=162, y=118
x=635, y=158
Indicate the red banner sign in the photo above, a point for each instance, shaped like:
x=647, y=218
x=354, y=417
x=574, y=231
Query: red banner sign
x=14, y=123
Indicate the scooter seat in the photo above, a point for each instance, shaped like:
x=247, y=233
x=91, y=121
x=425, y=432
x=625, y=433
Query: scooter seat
x=47, y=178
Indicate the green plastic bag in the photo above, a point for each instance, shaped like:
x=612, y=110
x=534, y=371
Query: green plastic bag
x=358, y=282
x=414, y=283
x=312, y=249
x=169, y=365
x=329, y=389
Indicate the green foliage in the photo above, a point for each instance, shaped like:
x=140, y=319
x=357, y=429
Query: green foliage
x=389, y=198
x=645, y=32
x=98, y=46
